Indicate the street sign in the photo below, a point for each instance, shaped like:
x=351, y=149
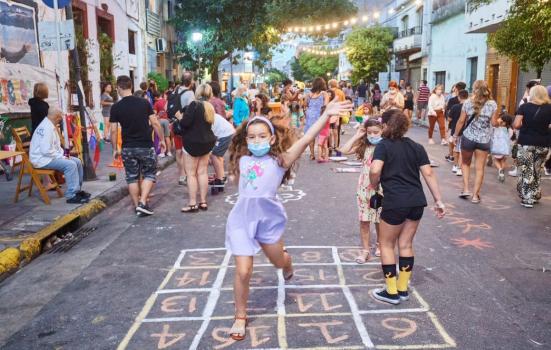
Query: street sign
x=47, y=35
x=60, y=3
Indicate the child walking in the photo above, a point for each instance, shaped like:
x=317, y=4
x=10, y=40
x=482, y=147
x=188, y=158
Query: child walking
x=501, y=144
x=363, y=145
x=261, y=156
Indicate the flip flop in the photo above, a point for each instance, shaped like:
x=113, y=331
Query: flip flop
x=475, y=200
x=364, y=257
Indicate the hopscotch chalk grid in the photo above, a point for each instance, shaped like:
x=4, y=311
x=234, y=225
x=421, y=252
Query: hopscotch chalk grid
x=327, y=305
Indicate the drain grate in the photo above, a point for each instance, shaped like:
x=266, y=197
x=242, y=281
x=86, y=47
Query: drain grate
x=71, y=239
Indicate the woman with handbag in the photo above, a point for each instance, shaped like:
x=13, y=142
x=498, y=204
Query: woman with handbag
x=533, y=121
x=196, y=124
x=478, y=116
x=397, y=162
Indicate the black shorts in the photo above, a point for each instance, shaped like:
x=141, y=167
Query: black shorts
x=469, y=145
x=398, y=216
x=408, y=105
x=139, y=161
x=333, y=126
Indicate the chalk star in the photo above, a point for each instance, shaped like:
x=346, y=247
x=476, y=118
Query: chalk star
x=475, y=243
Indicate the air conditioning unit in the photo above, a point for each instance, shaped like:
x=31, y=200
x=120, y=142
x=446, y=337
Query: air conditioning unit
x=160, y=45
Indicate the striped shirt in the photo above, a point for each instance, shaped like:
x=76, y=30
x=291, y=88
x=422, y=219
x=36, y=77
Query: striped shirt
x=424, y=93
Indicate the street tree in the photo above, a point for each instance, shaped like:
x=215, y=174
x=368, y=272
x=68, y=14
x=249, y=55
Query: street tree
x=274, y=76
x=368, y=50
x=525, y=34
x=257, y=25
x=314, y=65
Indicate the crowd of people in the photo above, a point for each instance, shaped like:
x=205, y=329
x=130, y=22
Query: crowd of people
x=265, y=140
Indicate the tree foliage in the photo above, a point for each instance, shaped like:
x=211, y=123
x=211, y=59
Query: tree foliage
x=229, y=25
x=310, y=66
x=160, y=80
x=525, y=35
x=274, y=76
x=368, y=51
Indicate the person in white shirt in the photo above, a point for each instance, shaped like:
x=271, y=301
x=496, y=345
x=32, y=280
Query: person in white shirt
x=224, y=131
x=46, y=153
x=436, y=105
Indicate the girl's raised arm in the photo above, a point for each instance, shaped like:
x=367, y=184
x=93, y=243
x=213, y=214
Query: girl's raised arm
x=333, y=108
x=349, y=147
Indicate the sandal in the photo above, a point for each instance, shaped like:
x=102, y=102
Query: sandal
x=190, y=209
x=203, y=206
x=312, y=157
x=476, y=199
x=364, y=256
x=378, y=250
x=465, y=195
x=238, y=333
x=287, y=275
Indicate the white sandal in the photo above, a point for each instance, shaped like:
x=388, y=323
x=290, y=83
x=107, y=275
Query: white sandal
x=364, y=257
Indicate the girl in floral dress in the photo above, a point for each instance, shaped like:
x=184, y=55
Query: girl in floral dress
x=363, y=145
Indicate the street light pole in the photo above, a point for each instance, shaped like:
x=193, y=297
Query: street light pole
x=197, y=37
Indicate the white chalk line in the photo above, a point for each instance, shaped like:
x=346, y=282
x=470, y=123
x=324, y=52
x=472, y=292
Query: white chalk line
x=211, y=302
x=366, y=340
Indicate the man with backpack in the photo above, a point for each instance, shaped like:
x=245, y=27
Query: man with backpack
x=182, y=96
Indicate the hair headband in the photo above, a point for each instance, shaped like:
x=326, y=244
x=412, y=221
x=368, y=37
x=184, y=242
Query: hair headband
x=263, y=119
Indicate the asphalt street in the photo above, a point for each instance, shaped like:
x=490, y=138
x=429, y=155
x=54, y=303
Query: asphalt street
x=481, y=280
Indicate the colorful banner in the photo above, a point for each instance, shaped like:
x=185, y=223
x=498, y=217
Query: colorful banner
x=16, y=86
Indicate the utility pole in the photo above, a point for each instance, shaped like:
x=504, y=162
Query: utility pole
x=89, y=172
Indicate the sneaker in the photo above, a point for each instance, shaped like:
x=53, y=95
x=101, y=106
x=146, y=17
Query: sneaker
x=501, y=176
x=169, y=154
x=455, y=168
x=182, y=181
x=444, y=142
x=140, y=214
x=84, y=194
x=513, y=172
x=77, y=199
x=450, y=159
x=161, y=155
x=527, y=204
x=404, y=296
x=382, y=295
x=459, y=172
x=144, y=208
x=431, y=142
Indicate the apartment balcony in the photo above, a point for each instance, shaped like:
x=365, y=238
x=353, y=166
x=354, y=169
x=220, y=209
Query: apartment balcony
x=408, y=41
x=486, y=18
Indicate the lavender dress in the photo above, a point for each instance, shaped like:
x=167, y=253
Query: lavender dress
x=313, y=112
x=258, y=216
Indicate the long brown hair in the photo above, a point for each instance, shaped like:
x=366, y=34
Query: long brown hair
x=362, y=144
x=481, y=95
x=397, y=124
x=285, y=138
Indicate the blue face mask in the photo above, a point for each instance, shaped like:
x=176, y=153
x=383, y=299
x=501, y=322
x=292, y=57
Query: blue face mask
x=374, y=139
x=259, y=149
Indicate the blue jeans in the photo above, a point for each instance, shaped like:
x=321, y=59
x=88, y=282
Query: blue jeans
x=72, y=170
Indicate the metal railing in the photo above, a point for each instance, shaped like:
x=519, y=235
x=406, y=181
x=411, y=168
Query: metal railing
x=410, y=31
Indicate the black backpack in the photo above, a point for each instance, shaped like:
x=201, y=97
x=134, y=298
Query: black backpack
x=174, y=103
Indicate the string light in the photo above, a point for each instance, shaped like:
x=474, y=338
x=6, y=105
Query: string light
x=335, y=25
x=323, y=50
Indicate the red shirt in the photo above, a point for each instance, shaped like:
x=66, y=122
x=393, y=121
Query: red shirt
x=424, y=93
x=160, y=108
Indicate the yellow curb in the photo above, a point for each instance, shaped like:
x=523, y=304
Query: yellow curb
x=91, y=208
x=9, y=260
x=30, y=248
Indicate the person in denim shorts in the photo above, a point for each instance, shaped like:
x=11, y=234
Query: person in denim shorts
x=136, y=117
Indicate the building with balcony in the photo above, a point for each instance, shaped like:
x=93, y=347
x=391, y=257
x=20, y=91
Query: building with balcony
x=507, y=81
x=454, y=56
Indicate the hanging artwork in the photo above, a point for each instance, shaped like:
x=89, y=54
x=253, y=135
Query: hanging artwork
x=18, y=41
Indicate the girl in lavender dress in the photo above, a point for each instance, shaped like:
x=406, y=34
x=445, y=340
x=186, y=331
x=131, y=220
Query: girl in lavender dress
x=261, y=156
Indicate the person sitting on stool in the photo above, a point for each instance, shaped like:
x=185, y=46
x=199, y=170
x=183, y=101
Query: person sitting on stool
x=46, y=153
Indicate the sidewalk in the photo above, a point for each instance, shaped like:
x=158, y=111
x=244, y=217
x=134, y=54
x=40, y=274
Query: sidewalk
x=30, y=217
